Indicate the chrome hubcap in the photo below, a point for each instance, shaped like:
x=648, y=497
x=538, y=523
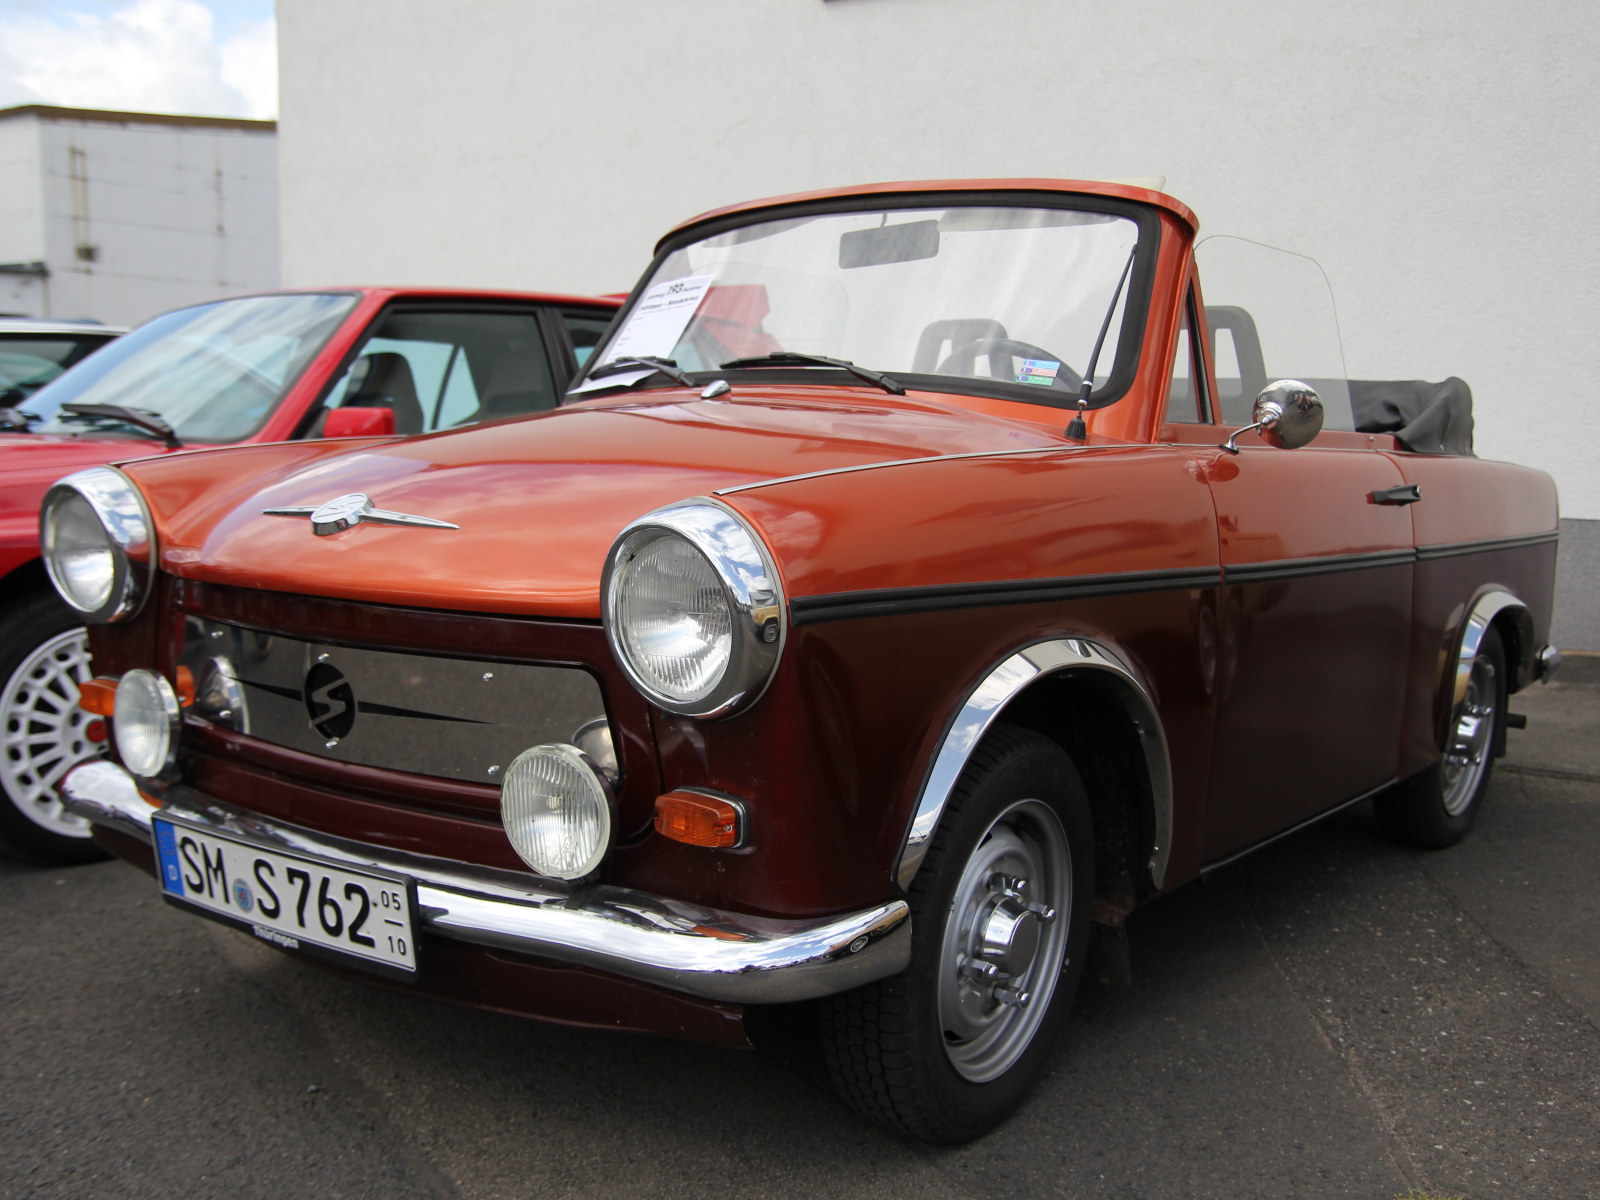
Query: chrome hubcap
x=1467, y=754
x=1006, y=940
x=46, y=732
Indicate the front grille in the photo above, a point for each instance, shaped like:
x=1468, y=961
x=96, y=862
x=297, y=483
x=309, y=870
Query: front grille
x=448, y=717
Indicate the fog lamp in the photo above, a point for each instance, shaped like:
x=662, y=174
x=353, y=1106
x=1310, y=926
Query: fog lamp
x=146, y=718
x=556, y=809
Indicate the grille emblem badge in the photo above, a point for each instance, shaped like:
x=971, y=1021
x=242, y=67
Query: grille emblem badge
x=348, y=511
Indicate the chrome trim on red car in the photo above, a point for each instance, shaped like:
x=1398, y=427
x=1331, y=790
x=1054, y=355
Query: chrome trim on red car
x=985, y=702
x=703, y=952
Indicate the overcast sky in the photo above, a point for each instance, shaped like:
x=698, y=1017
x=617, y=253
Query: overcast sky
x=200, y=57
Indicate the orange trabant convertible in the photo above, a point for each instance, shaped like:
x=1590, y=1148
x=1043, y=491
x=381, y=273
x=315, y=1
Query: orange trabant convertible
x=915, y=577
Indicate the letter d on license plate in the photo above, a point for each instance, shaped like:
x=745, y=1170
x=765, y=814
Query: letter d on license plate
x=356, y=916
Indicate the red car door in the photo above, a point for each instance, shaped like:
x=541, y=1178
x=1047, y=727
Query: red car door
x=1314, y=632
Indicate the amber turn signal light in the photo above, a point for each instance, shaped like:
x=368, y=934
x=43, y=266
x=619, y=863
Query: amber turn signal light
x=185, y=687
x=98, y=696
x=698, y=819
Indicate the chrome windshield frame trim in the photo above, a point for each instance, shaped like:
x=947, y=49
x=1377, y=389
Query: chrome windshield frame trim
x=710, y=953
x=125, y=517
x=988, y=699
x=743, y=561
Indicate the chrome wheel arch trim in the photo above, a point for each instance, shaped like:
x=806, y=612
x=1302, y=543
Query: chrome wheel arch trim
x=1488, y=605
x=988, y=700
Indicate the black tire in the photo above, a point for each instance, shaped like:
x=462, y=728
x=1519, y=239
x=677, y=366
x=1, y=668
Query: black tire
x=26, y=626
x=1435, y=809
x=886, y=1047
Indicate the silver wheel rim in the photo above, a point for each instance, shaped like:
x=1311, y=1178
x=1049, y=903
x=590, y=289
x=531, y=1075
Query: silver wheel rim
x=45, y=731
x=989, y=1016
x=1466, y=755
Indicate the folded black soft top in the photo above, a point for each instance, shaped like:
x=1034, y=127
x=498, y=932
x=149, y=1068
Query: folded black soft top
x=1426, y=418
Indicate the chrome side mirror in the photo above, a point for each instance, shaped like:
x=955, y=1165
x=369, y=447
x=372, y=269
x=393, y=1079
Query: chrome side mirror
x=1288, y=414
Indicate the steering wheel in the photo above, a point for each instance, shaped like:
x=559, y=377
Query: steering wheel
x=1000, y=351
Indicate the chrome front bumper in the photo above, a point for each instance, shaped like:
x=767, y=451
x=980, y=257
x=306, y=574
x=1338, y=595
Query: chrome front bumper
x=702, y=952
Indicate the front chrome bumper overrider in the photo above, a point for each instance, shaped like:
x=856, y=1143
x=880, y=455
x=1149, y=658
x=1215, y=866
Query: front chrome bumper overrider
x=703, y=952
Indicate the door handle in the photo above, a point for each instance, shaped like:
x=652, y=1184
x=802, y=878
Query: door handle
x=1406, y=493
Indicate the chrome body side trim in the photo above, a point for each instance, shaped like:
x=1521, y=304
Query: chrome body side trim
x=1484, y=610
x=997, y=689
x=1218, y=864
x=890, y=462
x=710, y=953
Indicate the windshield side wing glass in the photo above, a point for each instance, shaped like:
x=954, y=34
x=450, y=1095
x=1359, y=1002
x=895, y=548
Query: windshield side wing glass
x=213, y=372
x=1009, y=297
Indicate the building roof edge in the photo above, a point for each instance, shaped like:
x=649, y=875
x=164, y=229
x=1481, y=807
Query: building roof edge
x=113, y=117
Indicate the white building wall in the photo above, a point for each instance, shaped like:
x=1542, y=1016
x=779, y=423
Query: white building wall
x=171, y=213
x=1437, y=157
x=21, y=216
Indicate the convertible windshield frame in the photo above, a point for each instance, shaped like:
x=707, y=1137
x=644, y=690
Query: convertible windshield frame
x=1130, y=340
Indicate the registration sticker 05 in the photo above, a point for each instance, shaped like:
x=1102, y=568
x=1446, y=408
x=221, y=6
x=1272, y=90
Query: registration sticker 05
x=353, y=915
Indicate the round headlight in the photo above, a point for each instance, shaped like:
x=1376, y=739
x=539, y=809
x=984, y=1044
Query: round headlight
x=556, y=811
x=79, y=554
x=146, y=718
x=95, y=535
x=674, y=618
x=693, y=610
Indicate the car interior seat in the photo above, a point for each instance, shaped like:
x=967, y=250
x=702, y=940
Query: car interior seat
x=931, y=345
x=518, y=383
x=387, y=383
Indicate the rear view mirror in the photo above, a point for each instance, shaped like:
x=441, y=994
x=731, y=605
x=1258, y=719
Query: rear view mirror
x=359, y=422
x=889, y=244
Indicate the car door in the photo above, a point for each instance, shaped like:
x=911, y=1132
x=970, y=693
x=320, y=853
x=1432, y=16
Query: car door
x=1314, y=632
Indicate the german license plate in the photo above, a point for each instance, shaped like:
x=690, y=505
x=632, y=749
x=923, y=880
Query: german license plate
x=359, y=917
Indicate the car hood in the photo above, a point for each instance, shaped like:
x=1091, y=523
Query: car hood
x=538, y=500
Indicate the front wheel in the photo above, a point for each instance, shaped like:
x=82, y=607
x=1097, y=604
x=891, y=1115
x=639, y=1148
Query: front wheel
x=44, y=656
x=1436, y=809
x=1000, y=919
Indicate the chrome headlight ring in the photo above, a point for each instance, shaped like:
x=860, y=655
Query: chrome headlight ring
x=757, y=625
x=103, y=589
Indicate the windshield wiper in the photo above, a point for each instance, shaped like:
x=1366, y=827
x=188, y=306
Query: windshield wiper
x=17, y=420
x=141, y=419
x=786, y=358
x=665, y=366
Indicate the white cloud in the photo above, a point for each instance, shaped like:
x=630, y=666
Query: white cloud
x=145, y=56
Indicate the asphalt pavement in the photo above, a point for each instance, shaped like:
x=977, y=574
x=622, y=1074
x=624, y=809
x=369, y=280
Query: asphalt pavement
x=1333, y=1016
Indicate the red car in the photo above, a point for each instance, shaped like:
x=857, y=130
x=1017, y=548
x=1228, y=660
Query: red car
x=251, y=370
x=917, y=575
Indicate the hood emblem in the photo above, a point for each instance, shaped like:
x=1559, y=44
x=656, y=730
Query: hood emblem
x=346, y=512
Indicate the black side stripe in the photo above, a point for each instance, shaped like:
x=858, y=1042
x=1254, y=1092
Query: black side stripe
x=845, y=606
x=1296, y=568
x=1455, y=549
x=883, y=602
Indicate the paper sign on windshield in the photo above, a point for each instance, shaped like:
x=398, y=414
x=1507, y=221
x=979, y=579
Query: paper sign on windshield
x=658, y=320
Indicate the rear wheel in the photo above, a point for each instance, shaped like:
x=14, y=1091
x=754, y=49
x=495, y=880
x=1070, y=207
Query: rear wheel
x=1436, y=809
x=44, y=656
x=1000, y=919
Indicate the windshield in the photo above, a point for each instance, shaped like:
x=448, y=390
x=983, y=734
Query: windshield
x=213, y=372
x=29, y=361
x=999, y=300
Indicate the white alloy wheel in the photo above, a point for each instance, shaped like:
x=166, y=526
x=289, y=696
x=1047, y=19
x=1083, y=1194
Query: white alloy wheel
x=45, y=731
